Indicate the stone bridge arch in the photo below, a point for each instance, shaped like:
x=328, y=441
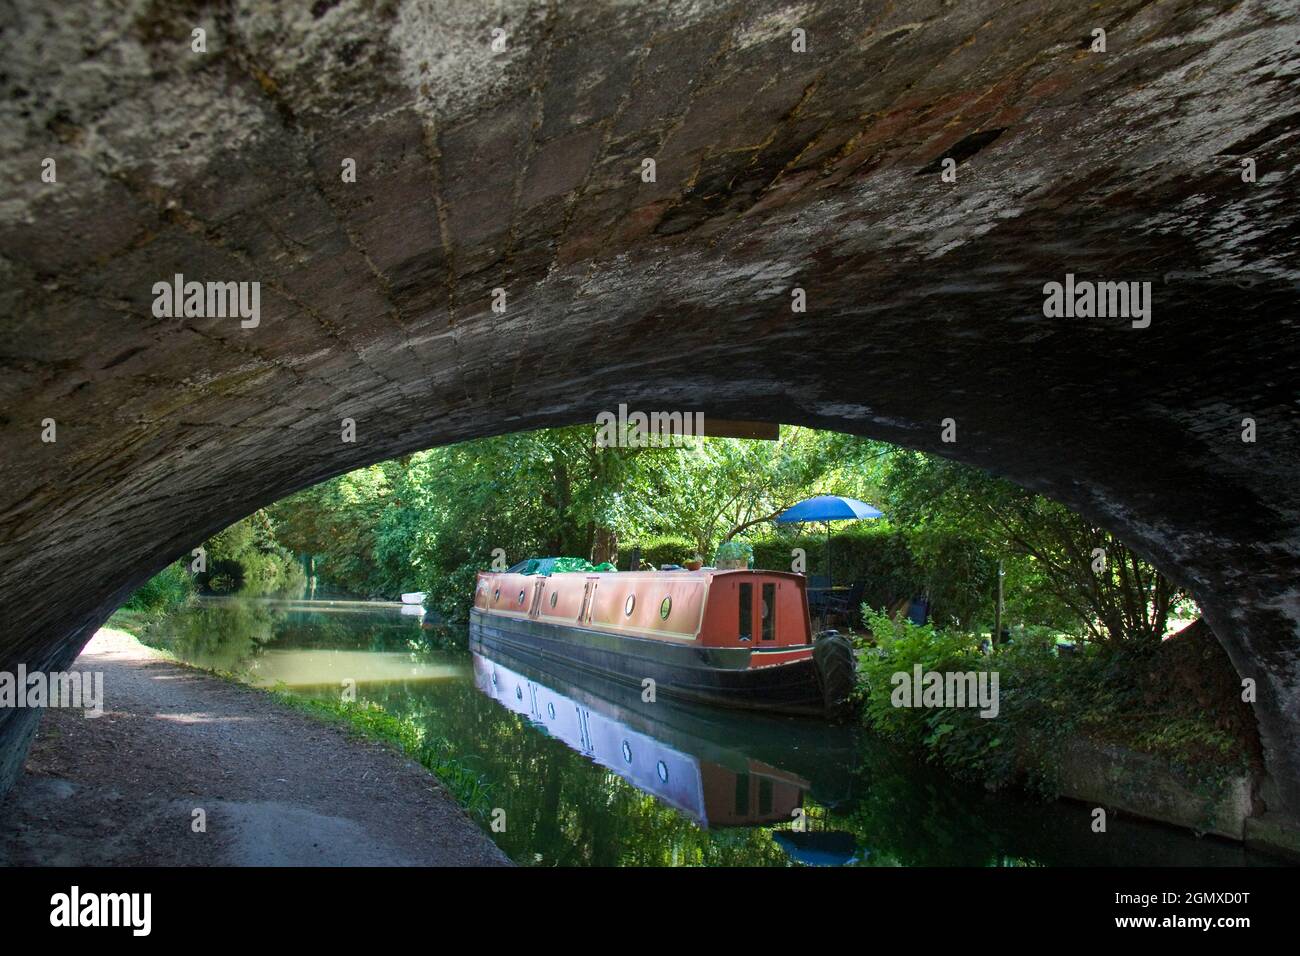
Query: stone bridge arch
x=523, y=169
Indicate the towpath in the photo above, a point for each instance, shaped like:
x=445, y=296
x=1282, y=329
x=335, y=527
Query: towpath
x=275, y=787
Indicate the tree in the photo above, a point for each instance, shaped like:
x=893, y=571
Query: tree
x=729, y=487
x=1106, y=587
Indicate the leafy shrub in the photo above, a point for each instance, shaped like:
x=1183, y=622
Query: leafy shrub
x=955, y=572
x=223, y=576
x=170, y=588
x=1100, y=692
x=246, y=557
x=735, y=551
x=272, y=573
x=900, y=645
x=662, y=549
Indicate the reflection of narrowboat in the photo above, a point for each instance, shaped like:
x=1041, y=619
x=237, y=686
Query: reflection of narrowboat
x=710, y=794
x=733, y=638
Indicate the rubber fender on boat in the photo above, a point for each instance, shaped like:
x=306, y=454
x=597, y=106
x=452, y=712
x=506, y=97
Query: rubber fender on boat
x=836, y=665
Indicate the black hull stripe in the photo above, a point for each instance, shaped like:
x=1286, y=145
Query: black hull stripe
x=718, y=676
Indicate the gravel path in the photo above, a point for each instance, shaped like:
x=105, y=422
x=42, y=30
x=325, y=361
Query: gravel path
x=278, y=788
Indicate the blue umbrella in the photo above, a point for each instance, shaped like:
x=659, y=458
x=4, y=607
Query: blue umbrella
x=828, y=508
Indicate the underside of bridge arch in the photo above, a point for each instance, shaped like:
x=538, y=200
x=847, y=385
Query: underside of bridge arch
x=522, y=168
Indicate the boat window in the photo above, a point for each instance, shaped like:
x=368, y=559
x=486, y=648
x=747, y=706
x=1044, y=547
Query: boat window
x=769, y=612
x=746, y=612
x=662, y=769
x=554, y=595
x=742, y=794
x=496, y=595
x=627, y=751
x=666, y=608
x=631, y=603
x=521, y=597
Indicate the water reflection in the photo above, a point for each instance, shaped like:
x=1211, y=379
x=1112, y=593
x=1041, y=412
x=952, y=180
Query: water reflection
x=589, y=774
x=333, y=666
x=695, y=764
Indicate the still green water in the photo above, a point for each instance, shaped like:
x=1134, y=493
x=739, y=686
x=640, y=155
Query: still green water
x=588, y=774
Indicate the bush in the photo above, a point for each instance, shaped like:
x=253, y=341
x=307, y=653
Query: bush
x=272, y=573
x=170, y=588
x=900, y=645
x=873, y=553
x=735, y=551
x=246, y=557
x=450, y=594
x=223, y=576
x=1043, y=701
x=660, y=550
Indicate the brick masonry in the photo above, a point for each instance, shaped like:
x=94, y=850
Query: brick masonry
x=521, y=169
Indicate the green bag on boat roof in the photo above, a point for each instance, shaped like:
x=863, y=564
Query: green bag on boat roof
x=548, y=566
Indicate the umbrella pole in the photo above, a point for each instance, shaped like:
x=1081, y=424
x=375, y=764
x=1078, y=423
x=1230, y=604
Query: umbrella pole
x=830, y=574
x=830, y=580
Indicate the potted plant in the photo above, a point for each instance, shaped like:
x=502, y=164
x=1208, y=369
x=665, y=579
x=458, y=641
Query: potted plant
x=734, y=556
x=695, y=563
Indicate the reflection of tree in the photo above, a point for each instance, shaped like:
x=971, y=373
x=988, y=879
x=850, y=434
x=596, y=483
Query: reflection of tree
x=559, y=804
x=217, y=636
x=223, y=634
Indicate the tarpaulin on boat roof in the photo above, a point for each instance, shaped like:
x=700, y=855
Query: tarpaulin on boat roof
x=548, y=566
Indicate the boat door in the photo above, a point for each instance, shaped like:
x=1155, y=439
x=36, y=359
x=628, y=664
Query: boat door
x=588, y=599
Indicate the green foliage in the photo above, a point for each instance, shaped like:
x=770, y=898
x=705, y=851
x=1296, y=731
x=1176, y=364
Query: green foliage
x=957, y=737
x=1062, y=570
x=658, y=550
x=169, y=589
x=1045, y=700
x=432, y=520
x=735, y=551
x=248, y=557
x=339, y=522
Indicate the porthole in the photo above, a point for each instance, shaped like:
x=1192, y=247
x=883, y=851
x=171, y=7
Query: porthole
x=627, y=751
x=550, y=709
x=665, y=608
x=496, y=595
x=662, y=769
x=494, y=678
x=554, y=596
x=521, y=597
x=629, y=604
x=519, y=692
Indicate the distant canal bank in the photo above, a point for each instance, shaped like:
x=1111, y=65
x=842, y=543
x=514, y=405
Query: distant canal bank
x=577, y=772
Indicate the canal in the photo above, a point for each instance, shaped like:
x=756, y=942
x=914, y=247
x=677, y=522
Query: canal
x=580, y=772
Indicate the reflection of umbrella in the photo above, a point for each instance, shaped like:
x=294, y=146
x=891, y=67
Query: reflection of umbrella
x=829, y=848
x=828, y=508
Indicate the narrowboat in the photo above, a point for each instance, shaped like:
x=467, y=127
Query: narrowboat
x=731, y=638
